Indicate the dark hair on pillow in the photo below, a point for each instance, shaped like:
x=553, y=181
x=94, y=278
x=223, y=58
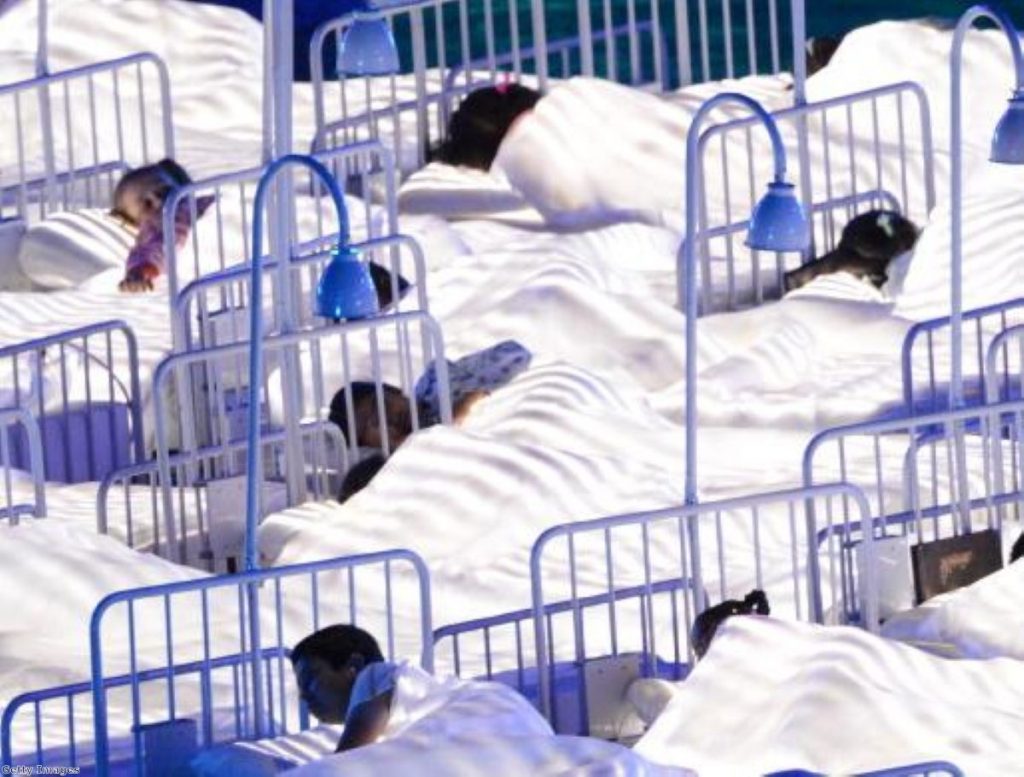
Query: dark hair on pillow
x=478, y=126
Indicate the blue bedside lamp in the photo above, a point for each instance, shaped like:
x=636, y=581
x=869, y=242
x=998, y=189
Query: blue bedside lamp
x=367, y=47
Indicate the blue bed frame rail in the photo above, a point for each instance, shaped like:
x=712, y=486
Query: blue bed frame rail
x=254, y=612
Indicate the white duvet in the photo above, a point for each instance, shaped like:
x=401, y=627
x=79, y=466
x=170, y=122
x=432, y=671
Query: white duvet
x=981, y=620
x=772, y=695
x=465, y=728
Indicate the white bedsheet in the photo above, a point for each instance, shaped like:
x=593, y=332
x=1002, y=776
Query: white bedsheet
x=772, y=695
x=465, y=728
x=982, y=620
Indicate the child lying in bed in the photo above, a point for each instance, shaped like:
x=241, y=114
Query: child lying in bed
x=706, y=624
x=343, y=678
x=139, y=199
x=480, y=123
x=868, y=244
x=470, y=379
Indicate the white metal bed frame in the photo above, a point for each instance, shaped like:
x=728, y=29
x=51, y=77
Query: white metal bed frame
x=649, y=574
x=86, y=433
x=206, y=389
x=82, y=157
x=209, y=651
x=365, y=169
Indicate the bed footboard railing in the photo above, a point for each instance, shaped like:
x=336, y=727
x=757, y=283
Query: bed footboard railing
x=926, y=352
x=963, y=463
x=55, y=725
x=68, y=137
x=82, y=386
x=615, y=575
x=21, y=450
x=163, y=626
x=200, y=398
x=205, y=661
x=501, y=649
x=207, y=485
x=928, y=477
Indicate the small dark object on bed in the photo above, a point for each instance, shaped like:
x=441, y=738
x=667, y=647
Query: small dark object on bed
x=359, y=477
x=705, y=624
x=820, y=51
x=478, y=126
x=1017, y=551
x=868, y=243
x=954, y=562
x=381, y=277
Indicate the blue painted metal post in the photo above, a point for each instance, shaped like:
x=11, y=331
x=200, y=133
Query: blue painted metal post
x=956, y=387
x=1004, y=22
x=254, y=453
x=689, y=250
x=254, y=464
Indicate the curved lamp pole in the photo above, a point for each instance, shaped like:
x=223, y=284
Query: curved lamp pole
x=778, y=223
x=1007, y=148
x=345, y=291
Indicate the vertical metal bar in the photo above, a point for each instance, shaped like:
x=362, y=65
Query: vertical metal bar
x=730, y=72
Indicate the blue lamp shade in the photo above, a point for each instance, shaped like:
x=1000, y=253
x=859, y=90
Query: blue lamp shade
x=1008, y=140
x=367, y=48
x=346, y=289
x=778, y=222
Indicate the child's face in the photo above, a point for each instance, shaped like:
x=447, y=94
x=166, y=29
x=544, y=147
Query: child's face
x=397, y=418
x=325, y=690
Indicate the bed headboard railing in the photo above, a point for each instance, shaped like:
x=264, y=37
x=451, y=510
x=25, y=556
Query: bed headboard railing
x=221, y=238
x=200, y=400
x=860, y=151
x=68, y=137
x=187, y=657
x=82, y=386
x=448, y=48
x=720, y=549
x=213, y=310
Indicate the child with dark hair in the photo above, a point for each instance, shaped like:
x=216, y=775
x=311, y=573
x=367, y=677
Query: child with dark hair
x=343, y=678
x=357, y=478
x=480, y=123
x=706, y=624
x=139, y=199
x=868, y=243
x=370, y=429
x=141, y=192
x=469, y=379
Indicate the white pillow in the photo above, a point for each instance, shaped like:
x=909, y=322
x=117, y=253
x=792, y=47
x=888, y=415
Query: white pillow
x=464, y=193
x=68, y=248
